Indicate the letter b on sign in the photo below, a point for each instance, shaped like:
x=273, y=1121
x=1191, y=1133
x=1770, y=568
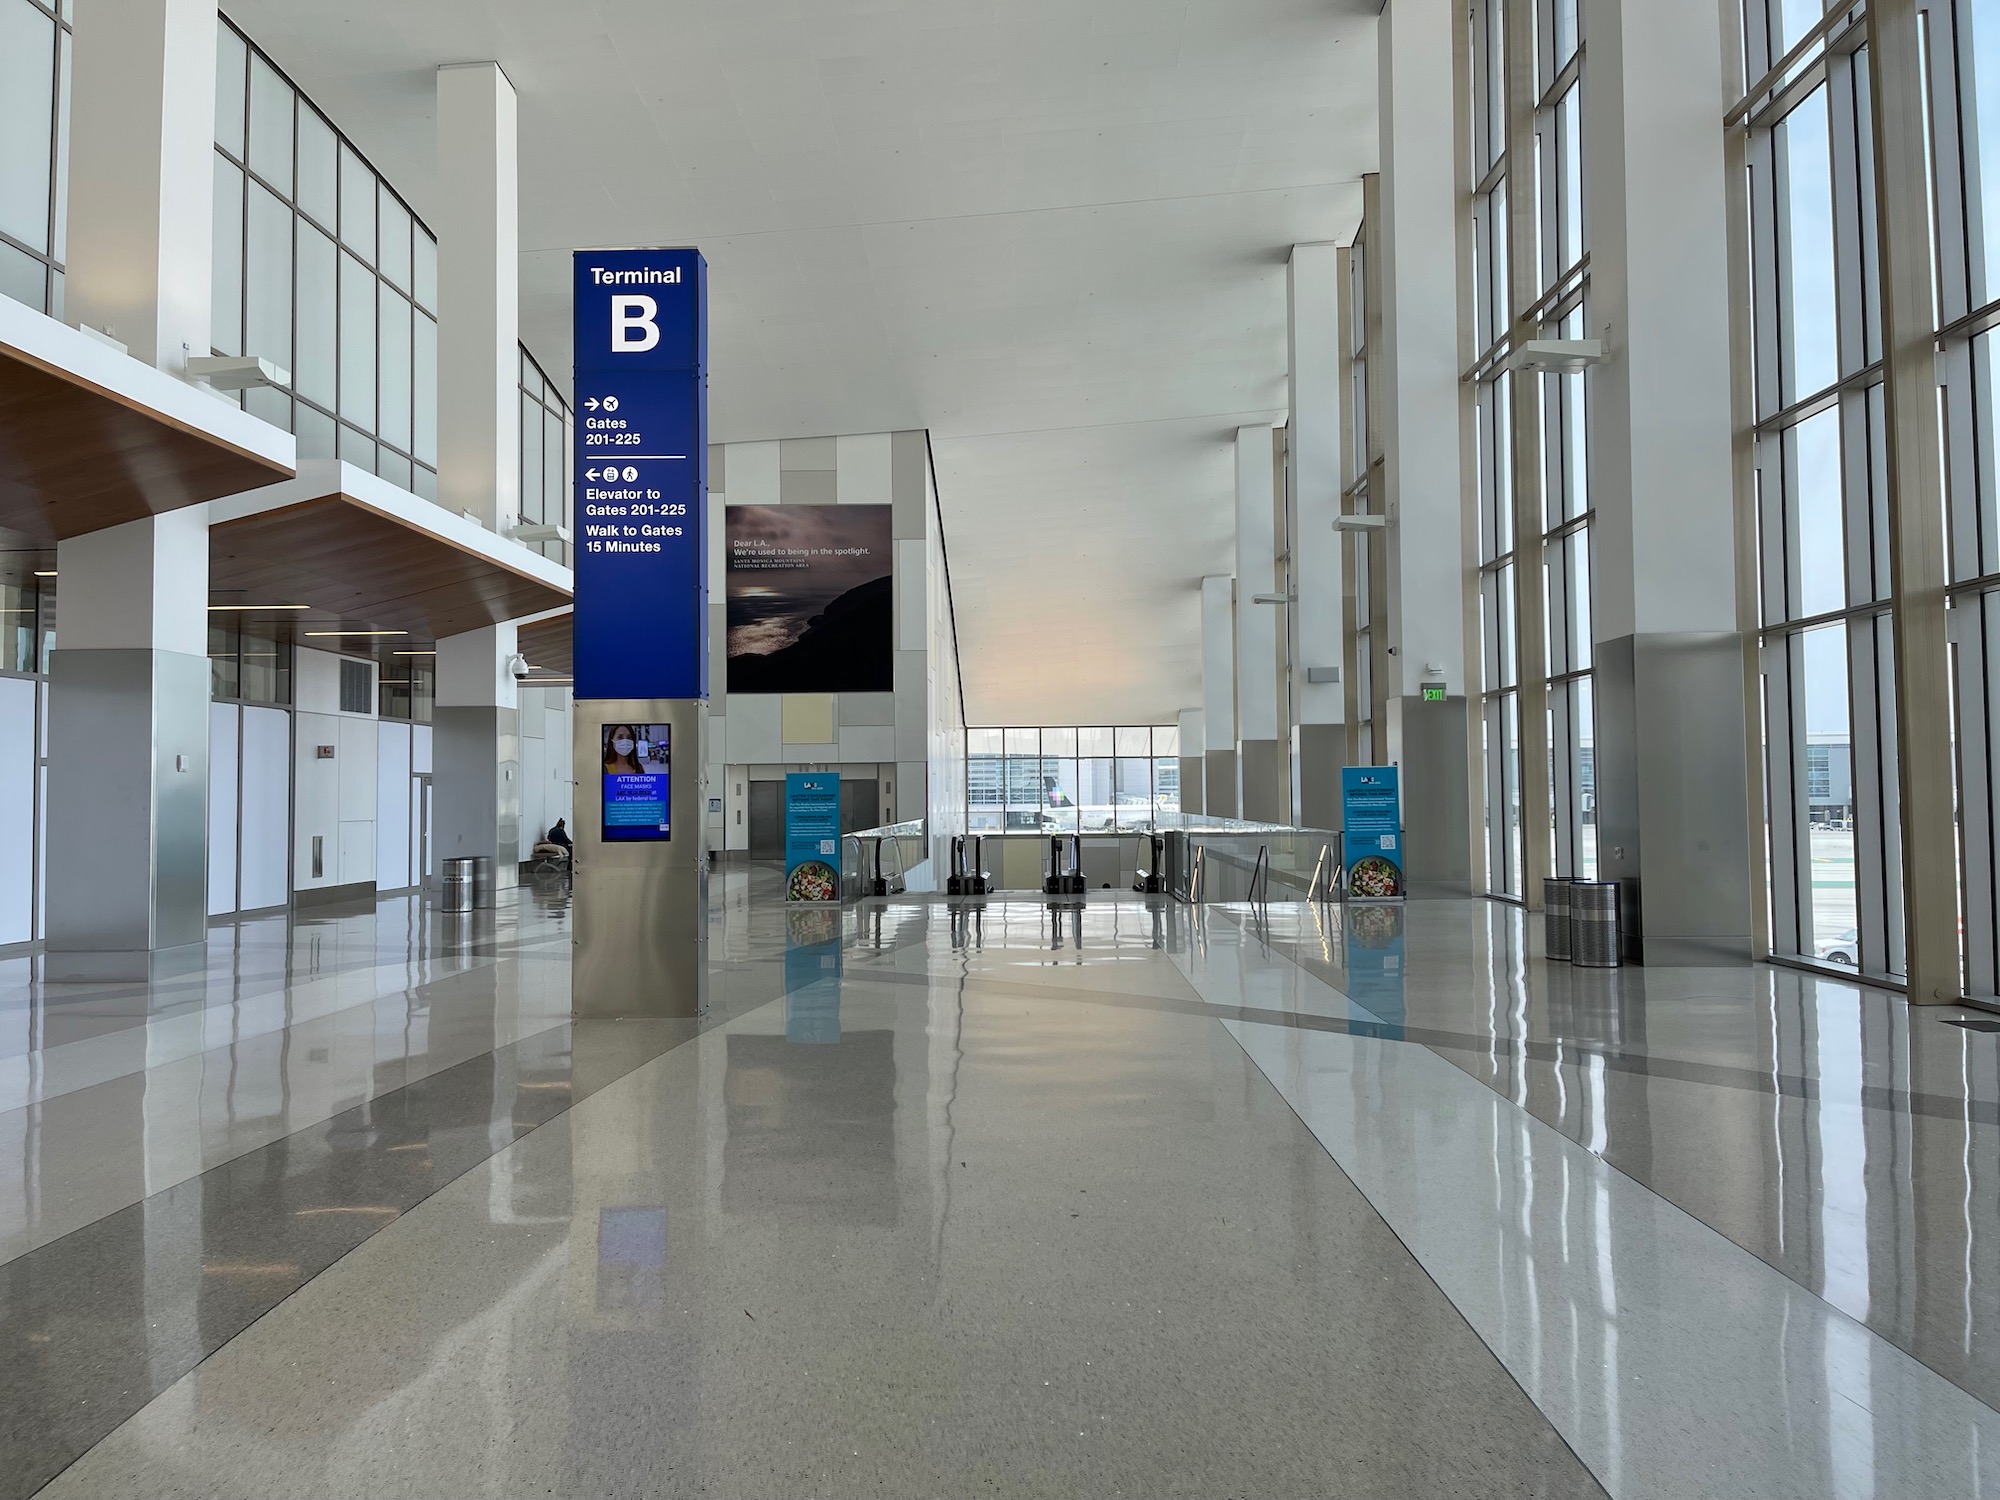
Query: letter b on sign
x=634, y=324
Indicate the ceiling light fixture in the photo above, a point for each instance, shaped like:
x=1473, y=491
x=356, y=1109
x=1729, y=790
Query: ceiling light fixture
x=413, y=653
x=343, y=634
x=258, y=606
x=45, y=572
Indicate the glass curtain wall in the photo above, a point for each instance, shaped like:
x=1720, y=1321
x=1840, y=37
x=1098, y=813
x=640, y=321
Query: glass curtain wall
x=34, y=156
x=27, y=623
x=1545, y=492
x=406, y=685
x=1500, y=699
x=1071, y=780
x=1964, y=81
x=546, y=435
x=321, y=268
x=1826, y=666
x=249, y=661
x=1356, y=577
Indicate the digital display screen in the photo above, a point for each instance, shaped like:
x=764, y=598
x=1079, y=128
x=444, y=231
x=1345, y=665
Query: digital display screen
x=636, y=767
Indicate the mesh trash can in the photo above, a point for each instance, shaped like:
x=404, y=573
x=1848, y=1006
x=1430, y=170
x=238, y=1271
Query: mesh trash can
x=1593, y=919
x=457, y=892
x=1556, y=918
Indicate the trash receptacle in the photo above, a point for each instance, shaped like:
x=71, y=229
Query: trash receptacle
x=458, y=882
x=1556, y=917
x=1593, y=920
x=482, y=881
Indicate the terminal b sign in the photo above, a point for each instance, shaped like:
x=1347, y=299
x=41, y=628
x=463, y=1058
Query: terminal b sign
x=641, y=473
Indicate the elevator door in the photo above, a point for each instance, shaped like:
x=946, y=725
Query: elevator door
x=767, y=820
x=860, y=805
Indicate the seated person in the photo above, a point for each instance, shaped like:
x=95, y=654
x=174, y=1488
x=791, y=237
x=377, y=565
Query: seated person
x=556, y=846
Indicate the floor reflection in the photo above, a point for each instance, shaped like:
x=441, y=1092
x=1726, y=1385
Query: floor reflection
x=1842, y=1137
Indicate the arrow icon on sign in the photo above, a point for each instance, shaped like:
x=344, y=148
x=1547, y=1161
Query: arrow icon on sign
x=590, y=473
x=591, y=404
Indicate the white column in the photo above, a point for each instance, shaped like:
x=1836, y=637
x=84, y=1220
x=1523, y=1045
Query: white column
x=1312, y=288
x=1671, y=755
x=1418, y=367
x=128, y=700
x=478, y=224
x=477, y=748
x=1260, y=756
x=1193, y=766
x=142, y=176
x=476, y=751
x=128, y=786
x=1218, y=695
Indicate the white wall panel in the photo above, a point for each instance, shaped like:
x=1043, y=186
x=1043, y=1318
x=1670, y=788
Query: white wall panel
x=357, y=852
x=913, y=619
x=753, y=728
x=360, y=741
x=865, y=742
x=751, y=471
x=17, y=809
x=265, y=877
x=392, y=806
x=863, y=465
x=535, y=817
x=316, y=801
x=222, y=808
x=561, y=801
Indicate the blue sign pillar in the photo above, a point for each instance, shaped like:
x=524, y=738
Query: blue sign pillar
x=641, y=630
x=641, y=475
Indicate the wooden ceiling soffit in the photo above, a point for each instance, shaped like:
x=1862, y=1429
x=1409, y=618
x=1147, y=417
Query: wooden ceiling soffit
x=76, y=457
x=551, y=643
x=374, y=570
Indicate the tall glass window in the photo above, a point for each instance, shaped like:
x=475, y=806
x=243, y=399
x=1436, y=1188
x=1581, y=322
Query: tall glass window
x=1832, y=842
x=546, y=437
x=1531, y=281
x=34, y=154
x=321, y=268
x=1964, y=79
x=1071, y=780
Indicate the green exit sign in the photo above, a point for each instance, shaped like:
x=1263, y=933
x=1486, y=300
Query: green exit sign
x=1433, y=693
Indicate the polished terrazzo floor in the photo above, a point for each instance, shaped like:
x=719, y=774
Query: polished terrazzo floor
x=1127, y=1200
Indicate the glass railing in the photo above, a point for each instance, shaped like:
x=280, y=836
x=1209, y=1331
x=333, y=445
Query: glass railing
x=1258, y=863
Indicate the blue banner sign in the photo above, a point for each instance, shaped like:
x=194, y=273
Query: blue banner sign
x=637, y=770
x=812, y=836
x=1371, y=836
x=641, y=473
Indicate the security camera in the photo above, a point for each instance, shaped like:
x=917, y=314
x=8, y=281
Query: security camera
x=518, y=665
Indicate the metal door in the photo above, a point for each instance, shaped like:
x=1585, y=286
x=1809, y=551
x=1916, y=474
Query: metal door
x=767, y=820
x=420, y=829
x=860, y=805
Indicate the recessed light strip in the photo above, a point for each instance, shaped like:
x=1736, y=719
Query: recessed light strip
x=350, y=634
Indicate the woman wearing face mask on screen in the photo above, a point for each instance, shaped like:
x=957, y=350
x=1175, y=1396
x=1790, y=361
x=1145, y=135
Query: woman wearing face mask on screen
x=621, y=752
